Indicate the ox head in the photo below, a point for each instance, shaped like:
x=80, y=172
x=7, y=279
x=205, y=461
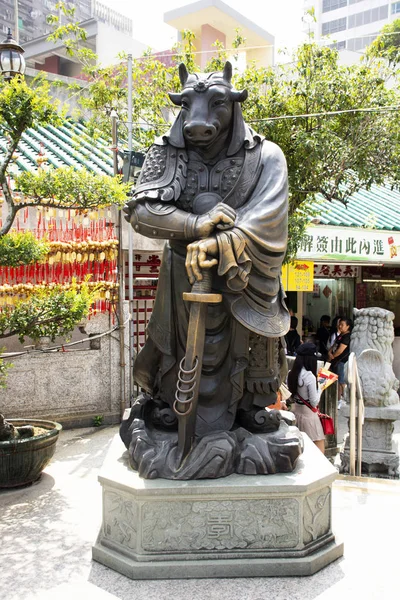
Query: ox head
x=210, y=109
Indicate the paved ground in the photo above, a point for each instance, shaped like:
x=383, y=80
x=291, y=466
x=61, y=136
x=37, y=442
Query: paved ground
x=47, y=531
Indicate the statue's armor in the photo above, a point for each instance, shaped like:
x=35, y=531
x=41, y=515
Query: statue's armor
x=219, y=178
x=171, y=175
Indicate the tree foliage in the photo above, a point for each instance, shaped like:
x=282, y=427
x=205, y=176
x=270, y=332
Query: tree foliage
x=329, y=155
x=69, y=188
x=21, y=248
x=51, y=311
x=387, y=44
x=23, y=106
x=4, y=366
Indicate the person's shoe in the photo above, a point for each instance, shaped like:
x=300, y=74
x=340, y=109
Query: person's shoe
x=340, y=403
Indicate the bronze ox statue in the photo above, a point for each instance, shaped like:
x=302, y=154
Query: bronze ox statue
x=214, y=358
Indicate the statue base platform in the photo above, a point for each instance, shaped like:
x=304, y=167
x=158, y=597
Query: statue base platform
x=380, y=454
x=237, y=526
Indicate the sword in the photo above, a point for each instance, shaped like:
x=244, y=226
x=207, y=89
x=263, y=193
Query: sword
x=189, y=375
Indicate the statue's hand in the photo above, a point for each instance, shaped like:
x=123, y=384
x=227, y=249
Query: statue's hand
x=221, y=216
x=198, y=257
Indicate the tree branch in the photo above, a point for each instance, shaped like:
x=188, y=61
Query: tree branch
x=12, y=209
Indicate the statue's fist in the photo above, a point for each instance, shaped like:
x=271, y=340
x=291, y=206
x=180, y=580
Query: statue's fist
x=201, y=255
x=221, y=216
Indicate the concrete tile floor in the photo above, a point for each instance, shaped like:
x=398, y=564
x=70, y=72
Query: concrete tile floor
x=47, y=530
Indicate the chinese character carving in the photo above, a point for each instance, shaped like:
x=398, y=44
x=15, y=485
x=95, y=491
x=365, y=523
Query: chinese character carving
x=218, y=525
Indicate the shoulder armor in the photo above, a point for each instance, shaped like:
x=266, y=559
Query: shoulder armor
x=165, y=169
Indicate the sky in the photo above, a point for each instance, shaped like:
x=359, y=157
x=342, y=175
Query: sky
x=281, y=18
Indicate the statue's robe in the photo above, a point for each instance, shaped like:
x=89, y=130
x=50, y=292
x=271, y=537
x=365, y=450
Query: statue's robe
x=243, y=353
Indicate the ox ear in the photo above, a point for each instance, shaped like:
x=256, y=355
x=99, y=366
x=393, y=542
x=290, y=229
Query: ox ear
x=175, y=98
x=183, y=74
x=227, y=74
x=240, y=96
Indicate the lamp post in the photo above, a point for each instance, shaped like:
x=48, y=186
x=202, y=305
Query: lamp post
x=11, y=60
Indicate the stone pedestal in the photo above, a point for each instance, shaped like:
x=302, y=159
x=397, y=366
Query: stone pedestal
x=238, y=526
x=380, y=455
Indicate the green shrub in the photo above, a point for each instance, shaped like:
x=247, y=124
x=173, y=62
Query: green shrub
x=52, y=312
x=21, y=248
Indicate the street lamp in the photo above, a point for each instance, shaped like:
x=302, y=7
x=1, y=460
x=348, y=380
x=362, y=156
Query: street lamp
x=11, y=60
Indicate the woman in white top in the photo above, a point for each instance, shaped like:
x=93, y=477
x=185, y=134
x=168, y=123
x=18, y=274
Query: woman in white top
x=302, y=382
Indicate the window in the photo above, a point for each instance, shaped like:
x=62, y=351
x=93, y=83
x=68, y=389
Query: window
x=395, y=8
x=338, y=45
x=328, y=5
x=357, y=44
x=334, y=26
x=369, y=16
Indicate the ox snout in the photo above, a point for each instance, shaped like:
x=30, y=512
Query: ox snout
x=199, y=132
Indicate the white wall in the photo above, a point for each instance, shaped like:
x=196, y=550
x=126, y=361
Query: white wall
x=110, y=42
x=348, y=56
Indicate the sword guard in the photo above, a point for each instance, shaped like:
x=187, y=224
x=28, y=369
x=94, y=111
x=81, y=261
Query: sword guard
x=201, y=297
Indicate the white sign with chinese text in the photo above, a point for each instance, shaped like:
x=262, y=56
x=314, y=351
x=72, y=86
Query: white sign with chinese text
x=347, y=244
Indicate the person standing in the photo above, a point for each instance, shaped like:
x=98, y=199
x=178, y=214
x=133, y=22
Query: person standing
x=334, y=332
x=322, y=336
x=292, y=338
x=339, y=354
x=302, y=383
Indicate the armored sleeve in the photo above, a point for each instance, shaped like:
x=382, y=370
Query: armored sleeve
x=161, y=220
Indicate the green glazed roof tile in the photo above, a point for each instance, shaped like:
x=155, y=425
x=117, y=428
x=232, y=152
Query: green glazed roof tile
x=377, y=208
x=68, y=145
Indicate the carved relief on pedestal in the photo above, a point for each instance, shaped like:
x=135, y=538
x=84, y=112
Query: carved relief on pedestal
x=202, y=526
x=377, y=435
x=120, y=519
x=371, y=341
x=317, y=515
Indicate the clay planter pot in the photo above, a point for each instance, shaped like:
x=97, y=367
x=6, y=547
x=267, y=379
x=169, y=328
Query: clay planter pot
x=23, y=460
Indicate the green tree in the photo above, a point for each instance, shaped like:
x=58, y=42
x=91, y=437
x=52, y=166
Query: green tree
x=387, y=44
x=51, y=311
x=23, y=106
x=334, y=123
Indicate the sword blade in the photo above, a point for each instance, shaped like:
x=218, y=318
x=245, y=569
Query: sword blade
x=193, y=358
x=187, y=392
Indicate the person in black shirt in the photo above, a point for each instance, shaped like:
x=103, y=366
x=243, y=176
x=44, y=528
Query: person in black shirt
x=292, y=337
x=323, y=335
x=340, y=352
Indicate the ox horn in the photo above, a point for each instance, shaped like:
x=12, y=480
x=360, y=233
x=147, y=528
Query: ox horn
x=227, y=74
x=183, y=74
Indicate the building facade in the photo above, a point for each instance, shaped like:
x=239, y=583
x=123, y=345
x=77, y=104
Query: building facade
x=32, y=16
x=212, y=20
x=108, y=33
x=351, y=24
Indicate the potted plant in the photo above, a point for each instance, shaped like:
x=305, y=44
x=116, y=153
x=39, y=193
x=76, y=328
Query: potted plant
x=26, y=447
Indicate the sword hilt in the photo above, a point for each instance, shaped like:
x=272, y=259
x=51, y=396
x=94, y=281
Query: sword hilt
x=201, y=290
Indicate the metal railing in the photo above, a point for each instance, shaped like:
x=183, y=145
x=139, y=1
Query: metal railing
x=356, y=405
